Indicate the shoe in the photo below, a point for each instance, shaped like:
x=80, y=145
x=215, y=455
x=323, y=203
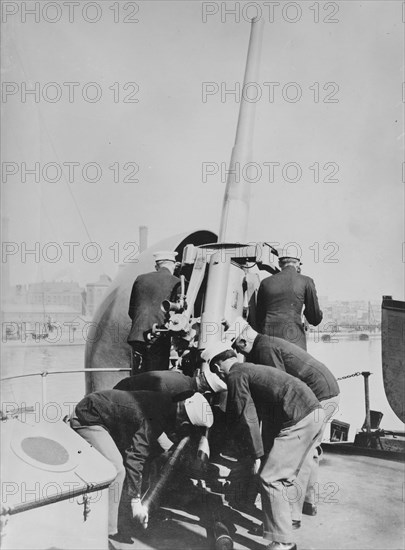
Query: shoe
x=281, y=546
x=296, y=524
x=309, y=509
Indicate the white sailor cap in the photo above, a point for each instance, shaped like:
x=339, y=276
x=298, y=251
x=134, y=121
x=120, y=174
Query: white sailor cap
x=236, y=329
x=283, y=258
x=283, y=254
x=213, y=380
x=215, y=349
x=165, y=256
x=199, y=411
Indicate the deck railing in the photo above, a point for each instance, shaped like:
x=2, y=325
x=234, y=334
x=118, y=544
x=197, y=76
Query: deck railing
x=45, y=373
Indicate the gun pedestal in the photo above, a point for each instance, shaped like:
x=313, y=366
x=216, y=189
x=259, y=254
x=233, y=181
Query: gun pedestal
x=213, y=517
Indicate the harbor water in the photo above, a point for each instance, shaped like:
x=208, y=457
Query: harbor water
x=343, y=357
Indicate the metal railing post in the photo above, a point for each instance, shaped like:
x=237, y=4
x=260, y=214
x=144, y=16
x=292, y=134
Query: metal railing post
x=367, y=401
x=44, y=397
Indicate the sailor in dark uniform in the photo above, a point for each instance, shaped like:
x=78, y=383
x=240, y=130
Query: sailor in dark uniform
x=293, y=407
x=173, y=382
x=280, y=302
x=127, y=428
x=148, y=292
x=275, y=352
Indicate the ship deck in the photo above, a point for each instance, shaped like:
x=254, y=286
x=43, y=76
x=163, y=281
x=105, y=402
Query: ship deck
x=360, y=507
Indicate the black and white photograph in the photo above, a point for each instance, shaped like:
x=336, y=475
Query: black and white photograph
x=202, y=275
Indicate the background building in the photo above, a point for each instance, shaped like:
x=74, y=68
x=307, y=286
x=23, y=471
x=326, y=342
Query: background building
x=95, y=293
x=60, y=293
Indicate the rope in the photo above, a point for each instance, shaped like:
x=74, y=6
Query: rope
x=44, y=126
x=349, y=376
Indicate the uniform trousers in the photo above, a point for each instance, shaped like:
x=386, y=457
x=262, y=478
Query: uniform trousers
x=308, y=476
x=101, y=440
x=279, y=472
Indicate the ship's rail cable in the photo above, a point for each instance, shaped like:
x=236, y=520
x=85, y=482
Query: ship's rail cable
x=45, y=373
x=349, y=376
x=353, y=375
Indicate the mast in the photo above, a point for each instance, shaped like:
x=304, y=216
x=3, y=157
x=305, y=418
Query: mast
x=235, y=208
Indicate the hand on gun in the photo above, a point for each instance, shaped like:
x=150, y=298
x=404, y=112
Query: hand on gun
x=140, y=512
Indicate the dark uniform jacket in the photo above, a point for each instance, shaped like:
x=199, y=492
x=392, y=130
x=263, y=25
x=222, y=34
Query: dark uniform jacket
x=134, y=420
x=170, y=381
x=148, y=292
x=290, y=358
x=284, y=399
x=279, y=306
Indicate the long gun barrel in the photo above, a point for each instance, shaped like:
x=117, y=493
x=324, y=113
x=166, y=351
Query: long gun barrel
x=235, y=209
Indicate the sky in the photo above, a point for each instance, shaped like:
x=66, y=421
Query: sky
x=132, y=122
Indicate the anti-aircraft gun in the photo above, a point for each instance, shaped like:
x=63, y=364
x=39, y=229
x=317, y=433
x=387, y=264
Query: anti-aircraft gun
x=222, y=274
